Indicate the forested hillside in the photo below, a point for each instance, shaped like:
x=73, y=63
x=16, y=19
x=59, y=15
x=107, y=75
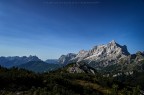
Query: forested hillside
x=16, y=81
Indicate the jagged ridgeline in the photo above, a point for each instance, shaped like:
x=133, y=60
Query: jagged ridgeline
x=111, y=57
x=16, y=60
x=32, y=63
x=108, y=58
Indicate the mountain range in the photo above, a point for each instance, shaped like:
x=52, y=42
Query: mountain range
x=16, y=60
x=39, y=66
x=52, y=61
x=32, y=63
x=111, y=57
x=104, y=53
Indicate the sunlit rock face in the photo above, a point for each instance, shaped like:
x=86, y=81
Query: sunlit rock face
x=106, y=54
x=103, y=55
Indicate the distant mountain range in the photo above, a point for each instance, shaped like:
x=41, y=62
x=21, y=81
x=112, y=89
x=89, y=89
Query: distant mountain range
x=32, y=63
x=111, y=57
x=39, y=66
x=16, y=60
x=52, y=61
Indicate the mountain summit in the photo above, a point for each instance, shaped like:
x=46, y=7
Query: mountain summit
x=100, y=53
x=105, y=55
x=110, y=51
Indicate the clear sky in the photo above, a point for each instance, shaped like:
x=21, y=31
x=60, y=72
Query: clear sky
x=50, y=28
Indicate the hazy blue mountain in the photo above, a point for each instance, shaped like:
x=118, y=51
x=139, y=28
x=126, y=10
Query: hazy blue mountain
x=16, y=60
x=52, y=61
x=39, y=66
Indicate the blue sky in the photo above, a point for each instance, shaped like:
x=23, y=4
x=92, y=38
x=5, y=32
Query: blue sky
x=50, y=28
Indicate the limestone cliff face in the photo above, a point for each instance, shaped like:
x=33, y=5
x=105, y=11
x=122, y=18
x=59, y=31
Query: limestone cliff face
x=102, y=56
x=106, y=53
x=111, y=50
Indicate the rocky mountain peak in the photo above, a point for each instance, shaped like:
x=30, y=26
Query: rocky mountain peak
x=104, y=53
x=113, y=42
x=111, y=50
x=64, y=59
